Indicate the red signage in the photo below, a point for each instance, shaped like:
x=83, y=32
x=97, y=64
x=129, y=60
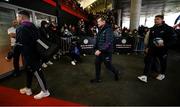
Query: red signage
x=66, y=8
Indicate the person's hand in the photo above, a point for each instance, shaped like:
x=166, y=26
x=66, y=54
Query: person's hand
x=160, y=45
x=146, y=50
x=97, y=53
x=12, y=35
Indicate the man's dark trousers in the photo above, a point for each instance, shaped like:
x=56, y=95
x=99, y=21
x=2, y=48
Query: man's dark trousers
x=107, y=59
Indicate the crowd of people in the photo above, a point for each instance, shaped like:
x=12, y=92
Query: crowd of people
x=25, y=37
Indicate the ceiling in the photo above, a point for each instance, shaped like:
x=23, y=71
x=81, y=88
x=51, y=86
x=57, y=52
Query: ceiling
x=149, y=7
x=86, y=3
x=95, y=5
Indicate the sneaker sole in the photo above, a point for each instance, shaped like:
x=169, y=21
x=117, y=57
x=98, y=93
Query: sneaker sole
x=142, y=80
x=25, y=94
x=161, y=79
x=42, y=97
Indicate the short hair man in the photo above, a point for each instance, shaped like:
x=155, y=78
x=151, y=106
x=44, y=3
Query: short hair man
x=161, y=37
x=27, y=35
x=104, y=49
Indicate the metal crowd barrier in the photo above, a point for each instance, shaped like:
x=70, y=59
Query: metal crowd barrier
x=121, y=44
x=86, y=44
x=139, y=44
x=65, y=43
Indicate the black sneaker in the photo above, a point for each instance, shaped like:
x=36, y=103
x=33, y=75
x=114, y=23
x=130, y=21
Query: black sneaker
x=116, y=77
x=95, y=81
x=16, y=74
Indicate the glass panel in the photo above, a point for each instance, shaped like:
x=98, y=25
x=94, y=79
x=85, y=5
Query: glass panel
x=6, y=17
x=39, y=17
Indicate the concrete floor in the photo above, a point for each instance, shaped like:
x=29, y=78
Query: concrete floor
x=72, y=83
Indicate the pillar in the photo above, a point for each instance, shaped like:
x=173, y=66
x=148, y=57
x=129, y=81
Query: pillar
x=135, y=13
x=113, y=4
x=119, y=17
x=58, y=13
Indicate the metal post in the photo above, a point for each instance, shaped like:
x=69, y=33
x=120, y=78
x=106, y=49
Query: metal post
x=58, y=14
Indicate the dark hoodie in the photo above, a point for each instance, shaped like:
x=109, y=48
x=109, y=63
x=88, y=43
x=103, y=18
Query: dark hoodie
x=104, y=40
x=27, y=35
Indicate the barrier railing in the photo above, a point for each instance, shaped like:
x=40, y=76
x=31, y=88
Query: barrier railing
x=121, y=44
x=139, y=44
x=65, y=43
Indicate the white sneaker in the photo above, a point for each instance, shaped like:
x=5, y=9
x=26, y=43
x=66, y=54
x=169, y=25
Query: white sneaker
x=160, y=77
x=73, y=63
x=54, y=57
x=26, y=91
x=44, y=65
x=42, y=95
x=143, y=78
x=6, y=58
x=49, y=63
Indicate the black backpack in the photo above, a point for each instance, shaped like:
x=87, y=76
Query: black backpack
x=45, y=48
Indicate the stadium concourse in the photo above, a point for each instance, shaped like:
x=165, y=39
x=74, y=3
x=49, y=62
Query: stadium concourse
x=51, y=52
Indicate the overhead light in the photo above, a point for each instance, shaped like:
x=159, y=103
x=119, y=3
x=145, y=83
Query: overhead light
x=86, y=3
x=6, y=0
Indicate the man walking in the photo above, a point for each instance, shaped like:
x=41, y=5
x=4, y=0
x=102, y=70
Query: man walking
x=104, y=49
x=26, y=39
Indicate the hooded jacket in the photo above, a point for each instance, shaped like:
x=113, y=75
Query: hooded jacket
x=27, y=35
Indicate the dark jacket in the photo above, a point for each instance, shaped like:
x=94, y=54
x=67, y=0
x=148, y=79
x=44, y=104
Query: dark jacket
x=74, y=48
x=43, y=33
x=165, y=32
x=27, y=34
x=104, y=40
